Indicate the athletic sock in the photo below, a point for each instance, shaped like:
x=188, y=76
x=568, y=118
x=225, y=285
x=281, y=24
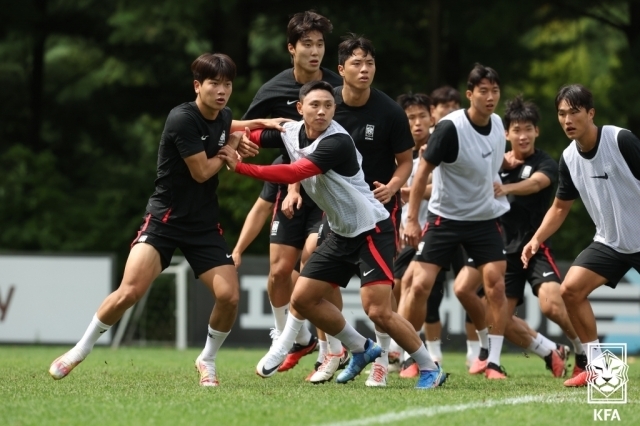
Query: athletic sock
x=549, y=344
x=577, y=346
x=538, y=348
x=593, y=351
x=215, y=339
x=495, y=347
x=335, y=345
x=288, y=336
x=353, y=340
x=394, y=347
x=384, y=340
x=483, y=335
x=280, y=316
x=304, y=336
x=473, y=350
x=423, y=359
x=434, y=348
x=94, y=331
x=323, y=349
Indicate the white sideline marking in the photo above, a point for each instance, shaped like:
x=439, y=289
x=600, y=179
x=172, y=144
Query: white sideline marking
x=434, y=411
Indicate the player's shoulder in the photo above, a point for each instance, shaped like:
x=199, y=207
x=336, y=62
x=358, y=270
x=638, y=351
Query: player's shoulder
x=496, y=120
x=282, y=79
x=186, y=112
x=379, y=99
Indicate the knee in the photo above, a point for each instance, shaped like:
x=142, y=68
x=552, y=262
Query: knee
x=281, y=271
x=496, y=291
x=421, y=290
x=128, y=295
x=379, y=315
x=569, y=293
x=229, y=297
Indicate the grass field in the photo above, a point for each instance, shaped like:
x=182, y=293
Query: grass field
x=160, y=387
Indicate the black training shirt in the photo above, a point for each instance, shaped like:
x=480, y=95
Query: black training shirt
x=380, y=130
x=178, y=197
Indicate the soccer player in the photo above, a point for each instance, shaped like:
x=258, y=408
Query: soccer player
x=465, y=153
x=183, y=212
x=602, y=167
x=326, y=162
x=293, y=230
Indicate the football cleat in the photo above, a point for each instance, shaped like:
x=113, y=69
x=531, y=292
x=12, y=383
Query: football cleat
x=430, y=379
x=377, y=376
x=359, y=360
x=207, y=371
x=62, y=366
x=495, y=372
x=555, y=363
x=297, y=352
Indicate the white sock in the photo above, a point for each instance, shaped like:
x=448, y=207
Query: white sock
x=423, y=359
x=578, y=349
x=335, y=345
x=434, y=348
x=94, y=331
x=304, y=336
x=353, y=340
x=473, y=349
x=594, y=350
x=538, y=348
x=495, y=347
x=546, y=342
x=394, y=347
x=384, y=340
x=288, y=336
x=483, y=335
x=323, y=349
x=215, y=339
x=280, y=315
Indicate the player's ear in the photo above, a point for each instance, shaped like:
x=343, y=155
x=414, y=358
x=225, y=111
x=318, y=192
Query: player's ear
x=299, y=107
x=341, y=70
x=196, y=86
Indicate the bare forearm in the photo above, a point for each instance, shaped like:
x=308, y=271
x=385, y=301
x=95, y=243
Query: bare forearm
x=240, y=125
x=400, y=176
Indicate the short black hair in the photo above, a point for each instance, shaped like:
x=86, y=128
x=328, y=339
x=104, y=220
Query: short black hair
x=576, y=95
x=517, y=110
x=315, y=85
x=303, y=22
x=479, y=73
x=444, y=95
x=409, y=99
x=352, y=42
x=212, y=66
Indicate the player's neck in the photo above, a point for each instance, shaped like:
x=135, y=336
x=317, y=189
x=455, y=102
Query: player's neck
x=355, y=97
x=477, y=118
x=207, y=112
x=519, y=155
x=588, y=141
x=303, y=77
x=419, y=143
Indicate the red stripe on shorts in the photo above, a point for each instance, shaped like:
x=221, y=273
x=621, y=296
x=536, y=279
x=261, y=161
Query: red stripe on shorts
x=547, y=254
x=144, y=228
x=275, y=208
x=165, y=218
x=437, y=223
x=378, y=257
x=395, y=223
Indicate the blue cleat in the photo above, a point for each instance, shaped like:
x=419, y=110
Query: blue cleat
x=431, y=378
x=359, y=360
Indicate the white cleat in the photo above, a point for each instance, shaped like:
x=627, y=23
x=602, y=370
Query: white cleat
x=207, y=371
x=268, y=365
x=377, y=376
x=62, y=366
x=327, y=369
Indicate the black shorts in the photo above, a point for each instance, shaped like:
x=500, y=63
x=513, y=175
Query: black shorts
x=482, y=241
x=203, y=250
x=606, y=262
x=369, y=255
x=404, y=258
x=294, y=231
x=394, y=207
x=542, y=269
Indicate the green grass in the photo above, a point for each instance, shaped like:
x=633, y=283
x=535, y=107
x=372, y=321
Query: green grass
x=160, y=386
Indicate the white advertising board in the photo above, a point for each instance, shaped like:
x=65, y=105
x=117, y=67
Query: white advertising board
x=51, y=299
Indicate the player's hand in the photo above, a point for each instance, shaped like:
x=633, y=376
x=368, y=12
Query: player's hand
x=498, y=190
x=412, y=233
x=382, y=192
x=245, y=147
x=234, y=139
x=230, y=156
x=291, y=202
x=529, y=251
x=510, y=161
x=275, y=123
x=237, y=258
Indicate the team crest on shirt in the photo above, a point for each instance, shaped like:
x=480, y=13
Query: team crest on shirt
x=223, y=139
x=274, y=227
x=368, y=132
x=526, y=172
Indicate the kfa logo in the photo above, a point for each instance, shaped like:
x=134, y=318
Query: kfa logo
x=607, y=374
x=368, y=132
x=606, y=414
x=274, y=227
x=223, y=139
